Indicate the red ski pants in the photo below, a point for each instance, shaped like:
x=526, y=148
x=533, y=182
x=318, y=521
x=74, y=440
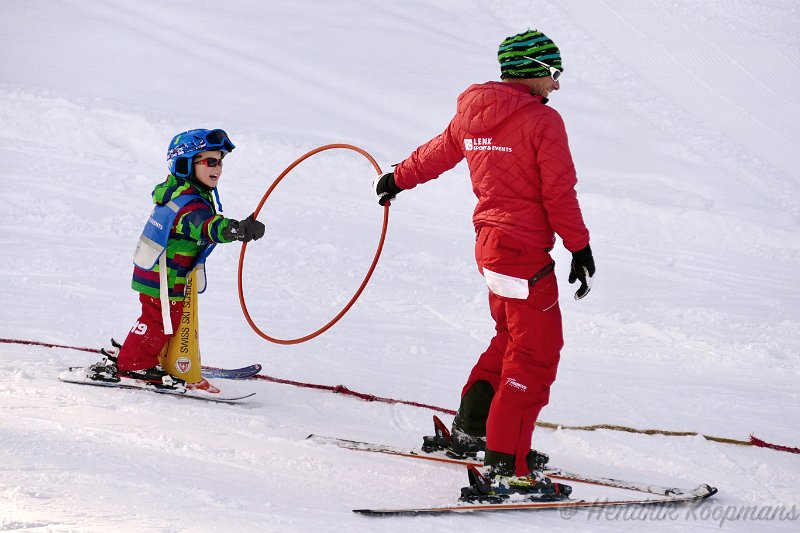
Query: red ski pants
x=147, y=339
x=521, y=361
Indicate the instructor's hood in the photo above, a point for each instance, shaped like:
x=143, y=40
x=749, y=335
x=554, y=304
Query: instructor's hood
x=483, y=106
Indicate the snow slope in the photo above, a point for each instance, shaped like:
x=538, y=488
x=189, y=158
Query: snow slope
x=682, y=119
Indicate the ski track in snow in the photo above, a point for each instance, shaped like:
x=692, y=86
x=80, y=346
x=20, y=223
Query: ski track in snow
x=682, y=119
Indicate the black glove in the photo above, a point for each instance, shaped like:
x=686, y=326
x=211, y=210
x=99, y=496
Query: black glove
x=385, y=187
x=582, y=269
x=245, y=230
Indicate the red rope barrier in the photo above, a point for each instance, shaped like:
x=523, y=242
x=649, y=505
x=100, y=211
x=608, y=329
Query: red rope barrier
x=755, y=441
x=48, y=345
x=366, y=278
x=341, y=389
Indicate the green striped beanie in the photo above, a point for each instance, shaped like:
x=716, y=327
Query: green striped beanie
x=531, y=43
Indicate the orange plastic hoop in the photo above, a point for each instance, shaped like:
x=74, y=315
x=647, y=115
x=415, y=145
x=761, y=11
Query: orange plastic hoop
x=366, y=278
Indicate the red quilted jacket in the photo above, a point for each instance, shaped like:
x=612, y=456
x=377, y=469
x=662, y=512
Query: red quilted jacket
x=519, y=160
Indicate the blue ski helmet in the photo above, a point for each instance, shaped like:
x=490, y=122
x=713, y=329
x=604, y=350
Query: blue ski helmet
x=184, y=146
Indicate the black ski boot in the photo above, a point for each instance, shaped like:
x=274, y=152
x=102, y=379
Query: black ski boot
x=155, y=376
x=501, y=484
x=458, y=445
x=106, y=369
x=467, y=438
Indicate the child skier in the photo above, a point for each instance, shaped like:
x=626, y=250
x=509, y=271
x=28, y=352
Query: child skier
x=181, y=232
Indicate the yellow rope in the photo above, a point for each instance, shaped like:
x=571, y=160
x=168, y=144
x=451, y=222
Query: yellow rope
x=550, y=425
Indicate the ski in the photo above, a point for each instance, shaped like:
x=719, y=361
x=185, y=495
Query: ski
x=438, y=456
x=246, y=372
x=551, y=472
x=77, y=375
x=566, y=505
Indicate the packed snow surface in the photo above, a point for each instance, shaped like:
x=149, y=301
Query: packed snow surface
x=683, y=120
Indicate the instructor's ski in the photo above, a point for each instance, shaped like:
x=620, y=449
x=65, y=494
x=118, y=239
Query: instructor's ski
x=569, y=506
x=551, y=472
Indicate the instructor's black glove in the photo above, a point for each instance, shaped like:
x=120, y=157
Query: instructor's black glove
x=245, y=230
x=582, y=269
x=385, y=187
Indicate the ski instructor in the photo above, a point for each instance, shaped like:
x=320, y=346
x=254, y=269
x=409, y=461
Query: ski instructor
x=524, y=178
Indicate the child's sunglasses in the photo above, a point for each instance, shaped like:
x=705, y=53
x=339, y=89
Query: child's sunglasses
x=554, y=72
x=209, y=162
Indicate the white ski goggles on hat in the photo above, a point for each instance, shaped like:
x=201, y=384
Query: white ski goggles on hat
x=554, y=72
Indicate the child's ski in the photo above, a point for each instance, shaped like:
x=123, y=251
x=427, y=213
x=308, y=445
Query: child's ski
x=246, y=372
x=79, y=376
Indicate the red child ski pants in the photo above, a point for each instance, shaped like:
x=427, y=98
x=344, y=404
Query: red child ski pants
x=521, y=361
x=147, y=339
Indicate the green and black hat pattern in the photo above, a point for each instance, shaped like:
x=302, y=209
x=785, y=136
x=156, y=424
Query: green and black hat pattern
x=531, y=43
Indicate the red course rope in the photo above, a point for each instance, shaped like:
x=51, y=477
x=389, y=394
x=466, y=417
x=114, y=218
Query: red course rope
x=366, y=278
x=341, y=389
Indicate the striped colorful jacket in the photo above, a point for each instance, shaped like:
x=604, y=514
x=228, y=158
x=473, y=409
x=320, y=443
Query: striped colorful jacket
x=196, y=226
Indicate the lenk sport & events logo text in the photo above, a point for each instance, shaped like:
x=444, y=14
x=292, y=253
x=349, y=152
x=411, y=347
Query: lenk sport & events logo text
x=484, y=144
